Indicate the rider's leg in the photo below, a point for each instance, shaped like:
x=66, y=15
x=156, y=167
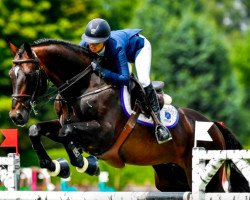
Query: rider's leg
x=162, y=133
x=143, y=65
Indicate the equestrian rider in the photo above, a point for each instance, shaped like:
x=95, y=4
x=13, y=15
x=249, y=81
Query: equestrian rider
x=121, y=47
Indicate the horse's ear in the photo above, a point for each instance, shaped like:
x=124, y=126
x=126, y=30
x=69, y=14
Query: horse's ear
x=12, y=47
x=27, y=48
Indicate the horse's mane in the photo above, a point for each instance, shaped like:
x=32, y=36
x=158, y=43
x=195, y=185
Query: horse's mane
x=67, y=44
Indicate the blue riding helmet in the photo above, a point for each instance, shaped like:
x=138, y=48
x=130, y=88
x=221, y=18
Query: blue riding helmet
x=97, y=30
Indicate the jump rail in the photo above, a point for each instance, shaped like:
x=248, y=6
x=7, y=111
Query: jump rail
x=94, y=195
x=10, y=171
x=202, y=173
x=29, y=195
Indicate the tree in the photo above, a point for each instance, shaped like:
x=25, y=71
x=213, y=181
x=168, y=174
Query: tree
x=228, y=15
x=29, y=20
x=240, y=61
x=190, y=56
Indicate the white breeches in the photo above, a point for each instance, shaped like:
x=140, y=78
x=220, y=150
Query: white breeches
x=143, y=63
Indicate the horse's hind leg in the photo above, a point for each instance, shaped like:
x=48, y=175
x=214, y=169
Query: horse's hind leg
x=170, y=177
x=49, y=129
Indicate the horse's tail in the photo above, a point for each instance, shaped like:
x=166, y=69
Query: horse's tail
x=238, y=182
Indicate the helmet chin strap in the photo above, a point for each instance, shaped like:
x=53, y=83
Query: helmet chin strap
x=101, y=53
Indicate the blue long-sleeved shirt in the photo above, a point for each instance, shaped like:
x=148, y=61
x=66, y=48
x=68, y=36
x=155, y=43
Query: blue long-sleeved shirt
x=122, y=47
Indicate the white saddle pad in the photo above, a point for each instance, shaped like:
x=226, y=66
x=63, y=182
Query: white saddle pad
x=169, y=114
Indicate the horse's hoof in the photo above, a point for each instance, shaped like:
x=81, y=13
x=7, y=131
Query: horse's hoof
x=61, y=168
x=64, y=165
x=93, y=168
x=90, y=166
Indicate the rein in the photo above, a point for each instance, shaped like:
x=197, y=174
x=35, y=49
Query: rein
x=67, y=84
x=32, y=103
x=73, y=80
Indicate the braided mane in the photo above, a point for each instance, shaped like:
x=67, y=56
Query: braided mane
x=67, y=44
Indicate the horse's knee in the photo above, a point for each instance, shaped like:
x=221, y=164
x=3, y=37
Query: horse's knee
x=66, y=130
x=34, y=130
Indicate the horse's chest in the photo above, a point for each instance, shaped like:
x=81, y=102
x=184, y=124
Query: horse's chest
x=92, y=107
x=83, y=110
x=68, y=113
x=97, y=106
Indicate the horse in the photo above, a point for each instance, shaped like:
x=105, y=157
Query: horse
x=91, y=119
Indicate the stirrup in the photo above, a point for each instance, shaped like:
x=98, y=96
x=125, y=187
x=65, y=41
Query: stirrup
x=162, y=134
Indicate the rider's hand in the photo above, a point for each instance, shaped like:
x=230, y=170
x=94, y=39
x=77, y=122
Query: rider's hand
x=96, y=66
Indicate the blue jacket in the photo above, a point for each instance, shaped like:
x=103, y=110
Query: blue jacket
x=122, y=47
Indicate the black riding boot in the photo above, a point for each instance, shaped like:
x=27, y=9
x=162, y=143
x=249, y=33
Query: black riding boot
x=162, y=133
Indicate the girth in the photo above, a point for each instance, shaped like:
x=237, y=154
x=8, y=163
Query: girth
x=112, y=155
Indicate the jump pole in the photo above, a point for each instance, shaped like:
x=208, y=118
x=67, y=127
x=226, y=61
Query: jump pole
x=202, y=174
x=10, y=176
x=28, y=195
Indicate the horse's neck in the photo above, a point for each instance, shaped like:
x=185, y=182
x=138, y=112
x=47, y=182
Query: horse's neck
x=96, y=83
x=61, y=64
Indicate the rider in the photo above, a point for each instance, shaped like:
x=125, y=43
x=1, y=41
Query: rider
x=120, y=47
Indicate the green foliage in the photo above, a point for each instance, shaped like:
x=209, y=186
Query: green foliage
x=190, y=56
x=29, y=20
x=5, y=104
x=190, y=40
x=240, y=62
x=240, y=59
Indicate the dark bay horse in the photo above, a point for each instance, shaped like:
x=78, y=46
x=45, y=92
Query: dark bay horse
x=91, y=119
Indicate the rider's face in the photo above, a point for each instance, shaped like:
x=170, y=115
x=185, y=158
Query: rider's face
x=96, y=47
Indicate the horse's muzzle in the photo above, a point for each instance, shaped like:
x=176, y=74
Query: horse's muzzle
x=19, y=118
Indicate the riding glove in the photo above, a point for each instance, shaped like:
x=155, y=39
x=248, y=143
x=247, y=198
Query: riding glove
x=119, y=79
x=96, y=66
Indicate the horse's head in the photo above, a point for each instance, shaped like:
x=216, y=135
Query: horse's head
x=28, y=81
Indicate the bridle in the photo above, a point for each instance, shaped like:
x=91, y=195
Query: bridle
x=31, y=103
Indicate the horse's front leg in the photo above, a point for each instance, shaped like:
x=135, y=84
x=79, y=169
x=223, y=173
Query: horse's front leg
x=49, y=129
x=69, y=135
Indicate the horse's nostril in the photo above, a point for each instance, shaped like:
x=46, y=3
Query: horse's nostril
x=19, y=117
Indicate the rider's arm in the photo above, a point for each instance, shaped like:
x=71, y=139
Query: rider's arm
x=122, y=75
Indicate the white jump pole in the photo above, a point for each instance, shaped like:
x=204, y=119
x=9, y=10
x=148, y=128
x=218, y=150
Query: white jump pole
x=31, y=195
x=202, y=174
x=10, y=176
x=244, y=167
